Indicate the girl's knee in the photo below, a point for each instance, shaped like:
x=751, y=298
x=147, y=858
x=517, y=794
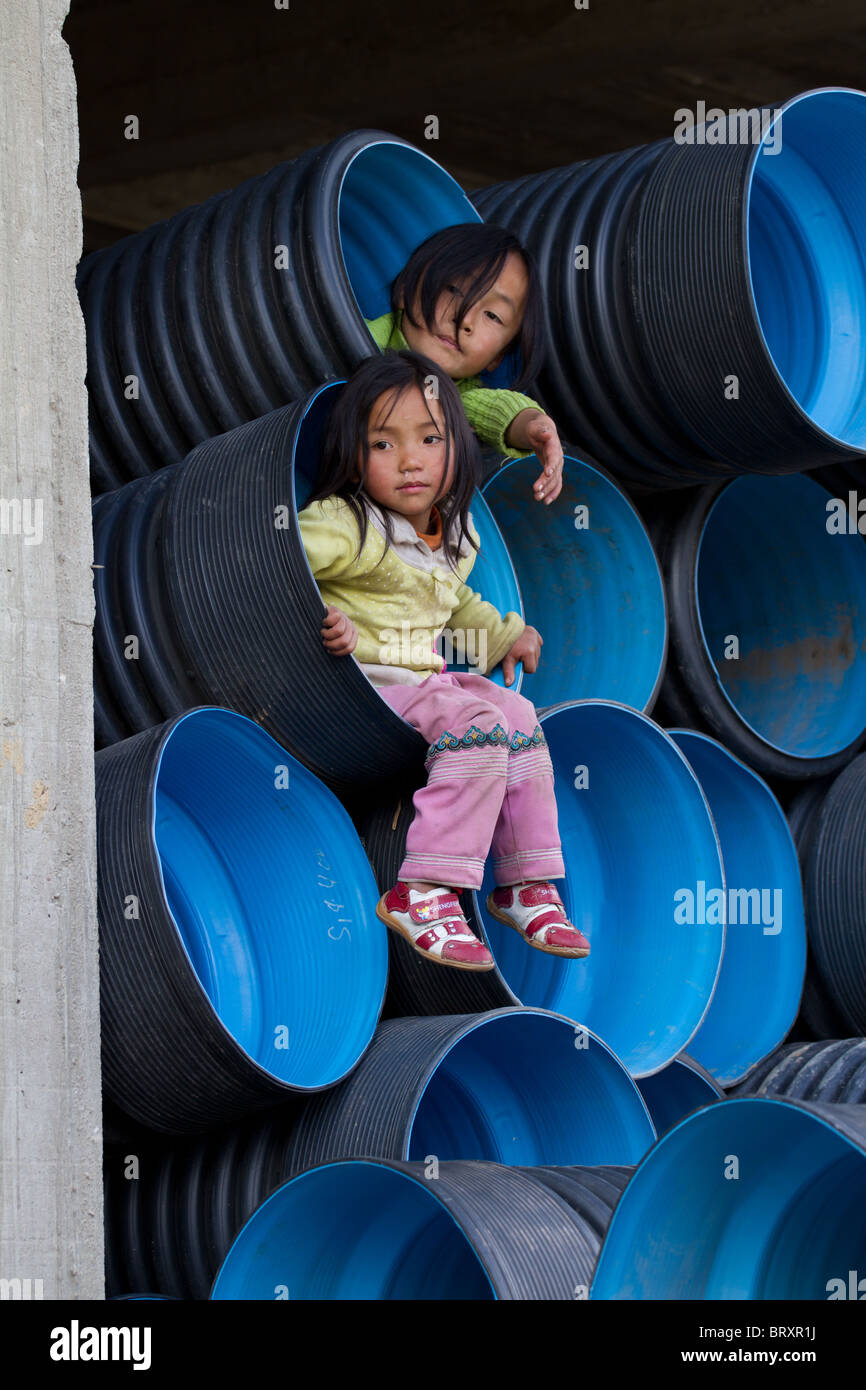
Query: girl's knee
x=520, y=712
x=485, y=715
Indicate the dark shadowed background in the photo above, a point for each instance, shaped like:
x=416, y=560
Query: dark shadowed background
x=224, y=89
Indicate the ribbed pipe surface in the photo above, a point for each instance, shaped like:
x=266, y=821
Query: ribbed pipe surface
x=223, y=992
x=746, y=1199
x=203, y=566
x=590, y=583
x=706, y=300
x=515, y=1086
x=833, y=856
x=238, y=306
x=767, y=624
x=636, y=830
x=831, y=1072
x=375, y=1229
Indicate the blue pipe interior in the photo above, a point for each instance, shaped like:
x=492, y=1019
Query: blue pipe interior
x=493, y=575
x=806, y=240
x=590, y=583
x=790, y=1221
x=761, y=980
x=770, y=574
x=674, y=1092
x=352, y=1231
x=517, y=1089
x=635, y=831
x=272, y=896
x=392, y=198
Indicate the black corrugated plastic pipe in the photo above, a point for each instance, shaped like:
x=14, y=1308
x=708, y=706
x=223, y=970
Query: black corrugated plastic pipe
x=713, y=323
x=203, y=564
x=832, y=842
x=242, y=304
x=373, y=1229
x=514, y=1085
x=831, y=1072
x=172, y=1226
x=241, y=964
x=767, y=609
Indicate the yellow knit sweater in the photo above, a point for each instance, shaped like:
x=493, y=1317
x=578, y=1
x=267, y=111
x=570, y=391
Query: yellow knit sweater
x=402, y=605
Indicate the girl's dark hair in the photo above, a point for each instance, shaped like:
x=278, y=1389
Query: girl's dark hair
x=346, y=433
x=476, y=252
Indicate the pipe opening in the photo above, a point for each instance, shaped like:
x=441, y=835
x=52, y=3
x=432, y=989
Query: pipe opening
x=590, y=583
x=391, y=199
x=770, y=575
x=352, y=1231
x=489, y=1098
x=806, y=248
x=271, y=894
x=793, y=1219
x=635, y=830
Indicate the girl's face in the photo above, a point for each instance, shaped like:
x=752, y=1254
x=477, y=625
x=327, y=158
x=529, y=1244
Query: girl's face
x=486, y=331
x=406, y=455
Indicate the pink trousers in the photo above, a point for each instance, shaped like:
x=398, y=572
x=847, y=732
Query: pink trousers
x=489, y=784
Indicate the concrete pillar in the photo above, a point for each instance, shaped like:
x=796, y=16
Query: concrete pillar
x=50, y=1114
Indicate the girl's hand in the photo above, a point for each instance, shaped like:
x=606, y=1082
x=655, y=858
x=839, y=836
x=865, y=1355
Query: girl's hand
x=527, y=649
x=339, y=633
x=535, y=432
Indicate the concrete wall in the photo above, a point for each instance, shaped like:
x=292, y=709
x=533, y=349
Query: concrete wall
x=50, y=1122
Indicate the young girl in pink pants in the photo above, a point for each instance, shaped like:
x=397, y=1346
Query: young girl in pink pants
x=390, y=541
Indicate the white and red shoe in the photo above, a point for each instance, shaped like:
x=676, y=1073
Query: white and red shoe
x=434, y=925
x=536, y=910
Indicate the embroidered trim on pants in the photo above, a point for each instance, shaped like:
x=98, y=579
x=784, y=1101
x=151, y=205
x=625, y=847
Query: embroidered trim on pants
x=476, y=738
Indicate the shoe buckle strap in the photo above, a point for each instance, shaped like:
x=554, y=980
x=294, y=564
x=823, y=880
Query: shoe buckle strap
x=437, y=909
x=535, y=894
x=546, y=919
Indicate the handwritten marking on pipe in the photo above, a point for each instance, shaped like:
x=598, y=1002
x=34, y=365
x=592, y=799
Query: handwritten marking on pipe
x=344, y=923
x=38, y=805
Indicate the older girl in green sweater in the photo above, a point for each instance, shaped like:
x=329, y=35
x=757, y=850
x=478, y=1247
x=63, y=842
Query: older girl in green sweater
x=467, y=298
